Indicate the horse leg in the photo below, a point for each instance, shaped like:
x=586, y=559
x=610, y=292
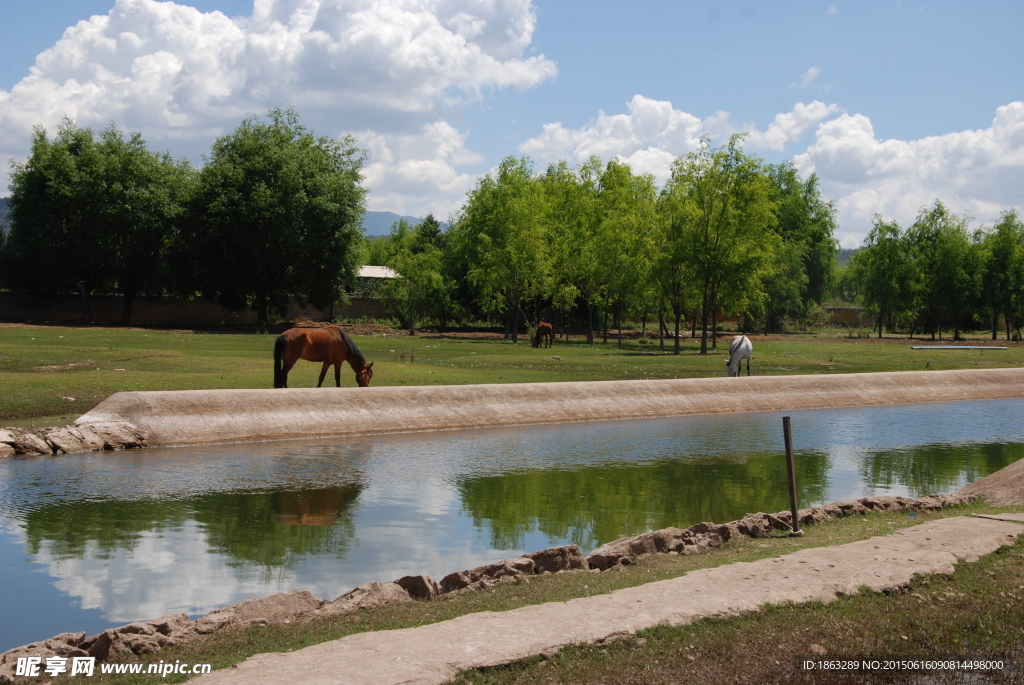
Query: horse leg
x=748, y=367
x=337, y=374
x=289, y=362
x=323, y=373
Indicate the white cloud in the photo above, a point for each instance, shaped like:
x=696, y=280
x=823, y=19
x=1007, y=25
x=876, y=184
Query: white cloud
x=417, y=172
x=833, y=9
x=807, y=78
x=979, y=172
x=654, y=133
x=182, y=76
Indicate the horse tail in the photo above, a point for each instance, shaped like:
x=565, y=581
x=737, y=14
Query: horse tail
x=279, y=346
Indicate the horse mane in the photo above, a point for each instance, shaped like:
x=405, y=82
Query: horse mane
x=352, y=349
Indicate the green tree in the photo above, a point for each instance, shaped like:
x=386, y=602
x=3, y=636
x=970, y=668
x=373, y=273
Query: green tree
x=884, y=272
x=572, y=218
x=417, y=258
x=805, y=219
x=626, y=206
x=55, y=210
x=276, y=214
x=728, y=220
x=142, y=195
x=501, y=235
x=1003, y=279
x=949, y=267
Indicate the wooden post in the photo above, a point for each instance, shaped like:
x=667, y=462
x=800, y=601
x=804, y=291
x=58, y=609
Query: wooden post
x=795, y=521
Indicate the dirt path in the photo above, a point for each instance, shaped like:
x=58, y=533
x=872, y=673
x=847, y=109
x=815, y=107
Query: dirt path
x=434, y=653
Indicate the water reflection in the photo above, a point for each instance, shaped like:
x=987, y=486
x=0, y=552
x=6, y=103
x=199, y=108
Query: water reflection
x=90, y=541
x=934, y=469
x=594, y=505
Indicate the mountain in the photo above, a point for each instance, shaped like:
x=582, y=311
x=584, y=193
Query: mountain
x=379, y=223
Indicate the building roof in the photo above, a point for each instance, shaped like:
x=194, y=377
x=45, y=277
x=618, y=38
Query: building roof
x=376, y=272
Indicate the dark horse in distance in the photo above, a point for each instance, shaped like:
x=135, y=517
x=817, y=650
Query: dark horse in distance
x=545, y=334
x=329, y=345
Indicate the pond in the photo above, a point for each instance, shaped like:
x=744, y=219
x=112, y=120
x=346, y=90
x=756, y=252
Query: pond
x=93, y=541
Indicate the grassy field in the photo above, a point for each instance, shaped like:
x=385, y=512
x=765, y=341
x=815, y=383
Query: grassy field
x=978, y=611
x=40, y=366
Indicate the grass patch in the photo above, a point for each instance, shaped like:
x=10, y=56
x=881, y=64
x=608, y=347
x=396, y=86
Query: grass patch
x=229, y=647
x=41, y=365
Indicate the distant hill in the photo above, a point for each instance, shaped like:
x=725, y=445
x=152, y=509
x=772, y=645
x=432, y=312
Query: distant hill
x=379, y=223
x=846, y=254
x=5, y=218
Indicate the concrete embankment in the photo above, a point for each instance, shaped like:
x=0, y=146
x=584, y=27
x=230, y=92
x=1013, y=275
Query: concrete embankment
x=211, y=416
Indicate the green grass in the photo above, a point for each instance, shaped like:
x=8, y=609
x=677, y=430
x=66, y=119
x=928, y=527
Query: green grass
x=40, y=365
x=229, y=647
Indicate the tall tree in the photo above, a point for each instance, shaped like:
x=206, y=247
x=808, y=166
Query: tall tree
x=572, y=219
x=142, y=196
x=626, y=206
x=55, y=213
x=730, y=216
x=501, y=233
x=277, y=214
x=884, y=272
x=1003, y=279
x=949, y=267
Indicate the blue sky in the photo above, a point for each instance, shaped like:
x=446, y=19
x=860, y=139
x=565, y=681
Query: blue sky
x=892, y=104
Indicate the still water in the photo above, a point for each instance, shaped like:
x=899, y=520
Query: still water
x=97, y=540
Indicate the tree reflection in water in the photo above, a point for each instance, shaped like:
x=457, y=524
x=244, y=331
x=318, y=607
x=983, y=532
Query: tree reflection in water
x=594, y=505
x=271, y=529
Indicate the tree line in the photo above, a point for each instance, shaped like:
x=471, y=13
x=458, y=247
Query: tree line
x=273, y=214
x=727, y=235
x=941, y=274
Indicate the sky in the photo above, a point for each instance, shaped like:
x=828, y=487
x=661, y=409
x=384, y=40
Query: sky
x=893, y=104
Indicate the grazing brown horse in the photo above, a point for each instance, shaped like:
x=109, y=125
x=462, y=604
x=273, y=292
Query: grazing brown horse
x=545, y=333
x=329, y=345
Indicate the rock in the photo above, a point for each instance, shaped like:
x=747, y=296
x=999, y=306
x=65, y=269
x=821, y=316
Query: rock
x=213, y=622
x=554, y=559
x=176, y=626
x=6, y=435
x=114, y=435
x=366, y=596
x=420, y=587
x=9, y=659
x=139, y=643
x=30, y=443
x=477, y=577
x=100, y=645
x=851, y=508
x=73, y=639
x=6, y=450
x=275, y=608
x=90, y=440
x=62, y=439
x=136, y=629
x=818, y=650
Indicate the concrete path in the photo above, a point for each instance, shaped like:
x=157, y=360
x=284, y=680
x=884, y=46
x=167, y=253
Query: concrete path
x=434, y=653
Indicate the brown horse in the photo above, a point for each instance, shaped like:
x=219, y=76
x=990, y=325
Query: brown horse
x=329, y=345
x=545, y=333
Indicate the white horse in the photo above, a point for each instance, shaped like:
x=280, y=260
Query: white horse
x=739, y=347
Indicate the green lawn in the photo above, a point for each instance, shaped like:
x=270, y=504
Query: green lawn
x=41, y=365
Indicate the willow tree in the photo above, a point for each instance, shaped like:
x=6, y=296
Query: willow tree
x=501, y=234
